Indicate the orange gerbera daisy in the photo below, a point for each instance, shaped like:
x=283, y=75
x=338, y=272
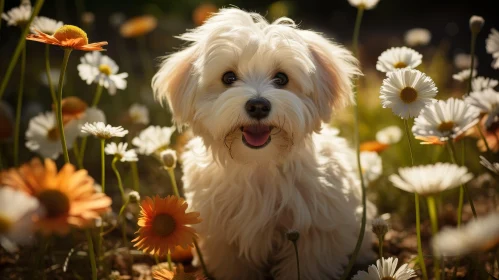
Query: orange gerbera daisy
x=163, y=223
x=179, y=274
x=67, y=36
x=68, y=197
x=138, y=26
x=373, y=146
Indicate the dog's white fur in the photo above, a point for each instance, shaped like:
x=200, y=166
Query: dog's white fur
x=302, y=180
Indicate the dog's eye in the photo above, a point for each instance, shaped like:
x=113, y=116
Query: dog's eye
x=229, y=78
x=280, y=79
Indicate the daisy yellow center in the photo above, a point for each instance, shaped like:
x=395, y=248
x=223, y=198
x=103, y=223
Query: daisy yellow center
x=446, y=126
x=68, y=32
x=408, y=95
x=105, y=69
x=5, y=224
x=53, y=134
x=163, y=225
x=400, y=64
x=55, y=203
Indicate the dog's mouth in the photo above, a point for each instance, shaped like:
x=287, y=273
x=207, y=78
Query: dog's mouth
x=256, y=136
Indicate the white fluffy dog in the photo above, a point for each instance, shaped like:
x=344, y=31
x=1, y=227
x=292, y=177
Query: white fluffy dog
x=256, y=95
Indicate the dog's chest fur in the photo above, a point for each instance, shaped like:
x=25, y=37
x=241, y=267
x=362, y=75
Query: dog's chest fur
x=248, y=204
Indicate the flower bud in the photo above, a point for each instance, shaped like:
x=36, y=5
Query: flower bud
x=293, y=235
x=133, y=197
x=169, y=158
x=380, y=227
x=476, y=24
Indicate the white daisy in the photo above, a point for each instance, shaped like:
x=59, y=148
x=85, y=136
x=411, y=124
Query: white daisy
x=54, y=76
x=100, y=130
x=430, y=179
x=45, y=25
x=463, y=75
x=139, y=114
x=444, y=120
x=120, y=150
x=386, y=269
x=372, y=167
x=153, y=139
x=417, y=37
x=481, y=83
x=406, y=92
x=98, y=68
x=494, y=167
x=389, y=135
x=16, y=223
x=43, y=135
x=92, y=115
x=398, y=58
x=463, y=61
x=492, y=46
x=477, y=236
x=486, y=101
x=18, y=16
x=365, y=4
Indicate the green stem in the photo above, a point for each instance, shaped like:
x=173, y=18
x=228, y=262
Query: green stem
x=103, y=165
x=483, y=138
x=169, y=260
x=432, y=210
x=171, y=172
x=118, y=177
x=135, y=176
x=91, y=254
x=97, y=96
x=49, y=77
x=416, y=205
x=464, y=188
x=20, y=93
x=473, y=43
x=358, y=245
x=156, y=259
x=297, y=260
x=64, y=65
x=19, y=47
x=201, y=259
x=82, y=151
x=460, y=207
x=381, y=241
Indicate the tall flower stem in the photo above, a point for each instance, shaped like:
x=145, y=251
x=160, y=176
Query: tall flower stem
x=98, y=93
x=432, y=210
x=20, y=93
x=91, y=254
x=103, y=164
x=472, y=53
x=483, y=138
x=135, y=176
x=19, y=48
x=169, y=260
x=196, y=245
x=60, y=123
x=118, y=177
x=416, y=205
x=381, y=241
x=297, y=260
x=463, y=189
x=358, y=245
x=49, y=78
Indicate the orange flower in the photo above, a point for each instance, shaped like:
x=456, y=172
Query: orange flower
x=373, y=146
x=138, y=26
x=68, y=197
x=179, y=274
x=180, y=254
x=67, y=36
x=73, y=108
x=491, y=134
x=430, y=140
x=203, y=12
x=162, y=225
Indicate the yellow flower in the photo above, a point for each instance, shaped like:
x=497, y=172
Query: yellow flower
x=163, y=225
x=67, y=36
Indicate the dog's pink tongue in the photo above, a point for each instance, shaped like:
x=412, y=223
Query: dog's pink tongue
x=256, y=135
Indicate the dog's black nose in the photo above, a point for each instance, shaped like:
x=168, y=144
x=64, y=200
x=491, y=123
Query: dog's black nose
x=258, y=108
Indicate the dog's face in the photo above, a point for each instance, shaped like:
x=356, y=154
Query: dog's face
x=254, y=90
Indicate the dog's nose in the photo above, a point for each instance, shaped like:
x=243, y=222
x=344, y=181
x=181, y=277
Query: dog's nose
x=258, y=108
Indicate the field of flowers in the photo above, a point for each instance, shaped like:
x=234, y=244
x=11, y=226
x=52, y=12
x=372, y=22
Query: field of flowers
x=90, y=176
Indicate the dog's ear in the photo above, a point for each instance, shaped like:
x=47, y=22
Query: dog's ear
x=176, y=82
x=335, y=68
